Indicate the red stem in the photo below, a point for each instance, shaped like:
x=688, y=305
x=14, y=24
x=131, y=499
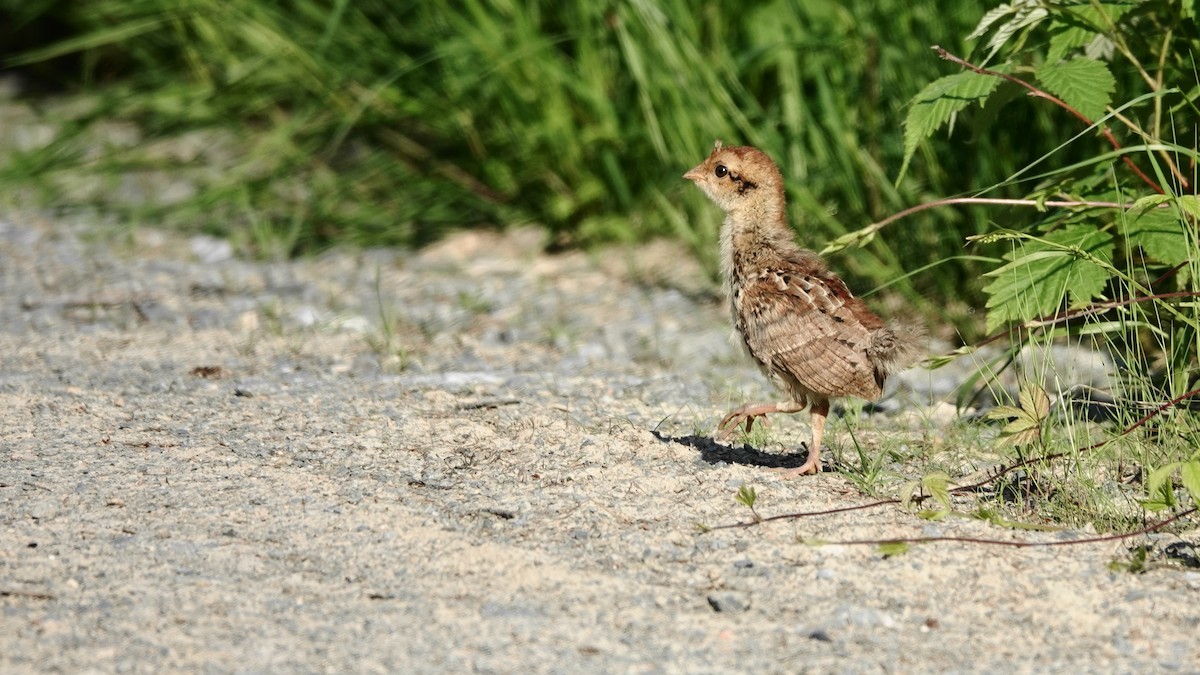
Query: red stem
x=1039, y=93
x=1017, y=544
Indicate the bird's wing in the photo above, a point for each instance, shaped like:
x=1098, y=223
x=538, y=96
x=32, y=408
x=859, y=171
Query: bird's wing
x=806, y=323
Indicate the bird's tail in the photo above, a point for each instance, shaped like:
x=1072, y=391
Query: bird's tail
x=896, y=347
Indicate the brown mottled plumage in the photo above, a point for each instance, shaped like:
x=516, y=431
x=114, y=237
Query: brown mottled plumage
x=796, y=318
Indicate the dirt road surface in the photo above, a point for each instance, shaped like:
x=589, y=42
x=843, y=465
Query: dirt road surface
x=475, y=458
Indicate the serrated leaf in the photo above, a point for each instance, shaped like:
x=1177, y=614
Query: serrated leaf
x=1081, y=26
x=1100, y=48
x=1019, y=432
x=746, y=495
x=1003, y=412
x=1066, y=39
x=1190, y=472
x=1041, y=274
x=907, y=492
x=1161, y=235
x=1084, y=84
x=893, y=548
x=1143, y=204
x=991, y=17
x=1189, y=204
x=1158, y=486
x=937, y=485
x=1024, y=13
x=936, y=105
x=1155, y=505
x=1021, y=425
x=1034, y=401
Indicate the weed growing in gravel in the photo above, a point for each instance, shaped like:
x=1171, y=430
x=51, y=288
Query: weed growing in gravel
x=748, y=497
x=869, y=471
x=473, y=302
x=385, y=342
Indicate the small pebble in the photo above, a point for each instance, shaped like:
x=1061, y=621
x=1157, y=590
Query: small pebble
x=729, y=601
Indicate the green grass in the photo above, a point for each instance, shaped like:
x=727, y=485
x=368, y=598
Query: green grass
x=376, y=124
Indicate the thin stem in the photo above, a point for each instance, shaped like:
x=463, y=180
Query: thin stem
x=951, y=201
x=1019, y=543
x=1150, y=140
x=1000, y=201
x=1158, y=80
x=807, y=514
x=1094, y=308
x=1118, y=39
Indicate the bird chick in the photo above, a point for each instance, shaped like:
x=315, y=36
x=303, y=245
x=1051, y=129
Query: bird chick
x=810, y=336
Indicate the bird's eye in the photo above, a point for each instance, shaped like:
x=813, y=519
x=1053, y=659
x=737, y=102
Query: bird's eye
x=721, y=171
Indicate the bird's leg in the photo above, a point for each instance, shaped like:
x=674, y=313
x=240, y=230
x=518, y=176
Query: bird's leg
x=752, y=411
x=820, y=411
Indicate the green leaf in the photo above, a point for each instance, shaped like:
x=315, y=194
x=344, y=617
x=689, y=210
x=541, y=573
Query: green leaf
x=1136, y=564
x=1155, y=505
x=1160, y=493
x=892, y=548
x=1034, y=401
x=1021, y=431
x=936, y=105
x=937, y=485
x=1021, y=426
x=1067, y=40
x=1084, y=84
x=1083, y=26
x=992, y=16
x=1189, y=204
x=1191, y=479
x=996, y=235
x=1160, y=234
x=747, y=495
x=1044, y=271
x=1149, y=202
x=1023, y=14
x=1004, y=412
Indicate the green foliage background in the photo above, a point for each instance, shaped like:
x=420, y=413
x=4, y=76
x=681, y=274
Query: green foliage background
x=398, y=121
x=389, y=123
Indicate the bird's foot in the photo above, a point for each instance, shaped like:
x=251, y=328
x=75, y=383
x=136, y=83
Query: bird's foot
x=747, y=414
x=803, y=469
x=810, y=465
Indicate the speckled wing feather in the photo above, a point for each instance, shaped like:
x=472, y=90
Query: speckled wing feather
x=802, y=323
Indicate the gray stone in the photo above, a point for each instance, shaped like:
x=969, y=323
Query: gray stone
x=729, y=601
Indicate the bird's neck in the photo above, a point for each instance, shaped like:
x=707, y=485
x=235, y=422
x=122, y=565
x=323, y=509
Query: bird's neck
x=750, y=242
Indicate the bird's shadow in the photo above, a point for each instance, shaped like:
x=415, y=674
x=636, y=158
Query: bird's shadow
x=713, y=452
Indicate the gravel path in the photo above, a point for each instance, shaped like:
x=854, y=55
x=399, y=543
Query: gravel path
x=214, y=465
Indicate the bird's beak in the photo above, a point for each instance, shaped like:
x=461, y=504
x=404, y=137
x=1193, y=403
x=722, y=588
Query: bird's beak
x=695, y=174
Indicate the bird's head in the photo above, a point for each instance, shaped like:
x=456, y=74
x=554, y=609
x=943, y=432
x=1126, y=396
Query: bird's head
x=741, y=180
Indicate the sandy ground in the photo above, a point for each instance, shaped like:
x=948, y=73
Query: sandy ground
x=214, y=465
